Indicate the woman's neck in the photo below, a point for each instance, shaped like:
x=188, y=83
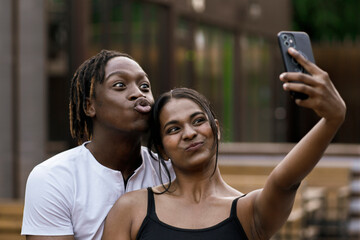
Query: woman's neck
x=197, y=187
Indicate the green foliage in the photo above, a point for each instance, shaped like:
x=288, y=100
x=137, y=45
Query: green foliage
x=328, y=20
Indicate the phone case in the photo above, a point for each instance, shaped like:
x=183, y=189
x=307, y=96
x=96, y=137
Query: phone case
x=301, y=42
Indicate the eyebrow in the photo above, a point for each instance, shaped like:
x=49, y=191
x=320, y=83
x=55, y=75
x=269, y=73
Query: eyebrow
x=141, y=74
x=176, y=121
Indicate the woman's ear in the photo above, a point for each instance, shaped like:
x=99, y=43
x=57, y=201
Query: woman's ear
x=90, y=109
x=218, y=128
x=162, y=153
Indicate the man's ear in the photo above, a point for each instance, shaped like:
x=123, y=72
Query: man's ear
x=218, y=128
x=90, y=109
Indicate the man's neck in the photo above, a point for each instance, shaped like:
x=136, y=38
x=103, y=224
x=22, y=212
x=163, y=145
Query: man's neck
x=123, y=155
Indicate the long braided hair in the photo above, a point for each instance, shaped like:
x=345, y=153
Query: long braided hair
x=82, y=84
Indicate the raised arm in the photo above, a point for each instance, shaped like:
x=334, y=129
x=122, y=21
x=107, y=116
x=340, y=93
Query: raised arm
x=273, y=204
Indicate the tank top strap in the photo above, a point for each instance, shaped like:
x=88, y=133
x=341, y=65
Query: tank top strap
x=151, y=202
x=233, y=206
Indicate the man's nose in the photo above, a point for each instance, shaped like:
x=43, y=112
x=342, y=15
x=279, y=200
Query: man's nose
x=135, y=92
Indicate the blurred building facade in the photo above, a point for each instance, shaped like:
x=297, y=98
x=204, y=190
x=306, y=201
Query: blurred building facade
x=226, y=49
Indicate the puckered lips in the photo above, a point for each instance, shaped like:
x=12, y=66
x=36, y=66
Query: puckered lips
x=194, y=146
x=142, y=105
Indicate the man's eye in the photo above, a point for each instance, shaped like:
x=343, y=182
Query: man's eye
x=145, y=86
x=119, y=85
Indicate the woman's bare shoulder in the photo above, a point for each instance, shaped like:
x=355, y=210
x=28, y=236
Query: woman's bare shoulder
x=131, y=200
x=132, y=205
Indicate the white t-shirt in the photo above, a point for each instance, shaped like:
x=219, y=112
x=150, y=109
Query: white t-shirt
x=71, y=193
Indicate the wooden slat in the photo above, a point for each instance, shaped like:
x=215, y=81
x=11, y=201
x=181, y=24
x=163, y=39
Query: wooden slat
x=11, y=212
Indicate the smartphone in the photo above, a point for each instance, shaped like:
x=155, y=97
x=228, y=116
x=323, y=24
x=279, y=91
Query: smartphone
x=301, y=42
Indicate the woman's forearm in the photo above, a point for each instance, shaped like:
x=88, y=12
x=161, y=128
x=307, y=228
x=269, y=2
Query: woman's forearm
x=306, y=154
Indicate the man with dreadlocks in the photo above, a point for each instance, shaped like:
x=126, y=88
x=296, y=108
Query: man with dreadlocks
x=69, y=195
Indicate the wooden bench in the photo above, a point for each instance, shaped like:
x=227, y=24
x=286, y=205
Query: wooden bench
x=321, y=200
x=11, y=212
x=245, y=183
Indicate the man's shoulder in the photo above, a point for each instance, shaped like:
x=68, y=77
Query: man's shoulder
x=152, y=161
x=148, y=155
x=63, y=161
x=151, y=158
x=64, y=157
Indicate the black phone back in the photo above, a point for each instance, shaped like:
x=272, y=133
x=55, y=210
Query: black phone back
x=301, y=42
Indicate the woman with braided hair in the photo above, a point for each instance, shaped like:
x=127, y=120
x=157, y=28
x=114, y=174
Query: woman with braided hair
x=69, y=195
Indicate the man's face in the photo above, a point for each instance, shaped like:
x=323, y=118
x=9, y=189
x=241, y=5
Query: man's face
x=123, y=101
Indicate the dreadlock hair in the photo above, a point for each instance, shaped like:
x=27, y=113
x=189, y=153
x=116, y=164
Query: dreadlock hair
x=82, y=84
x=154, y=140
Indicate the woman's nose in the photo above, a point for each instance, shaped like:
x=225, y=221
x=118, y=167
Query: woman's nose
x=189, y=132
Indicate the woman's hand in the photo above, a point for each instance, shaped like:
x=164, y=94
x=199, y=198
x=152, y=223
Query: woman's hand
x=324, y=99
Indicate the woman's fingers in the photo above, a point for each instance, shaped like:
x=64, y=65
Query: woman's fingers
x=297, y=78
x=305, y=63
x=298, y=87
x=323, y=96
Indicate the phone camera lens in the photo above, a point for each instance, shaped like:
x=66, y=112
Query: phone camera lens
x=287, y=43
x=285, y=37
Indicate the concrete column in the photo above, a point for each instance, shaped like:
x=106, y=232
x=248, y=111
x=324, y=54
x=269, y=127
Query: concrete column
x=6, y=140
x=31, y=88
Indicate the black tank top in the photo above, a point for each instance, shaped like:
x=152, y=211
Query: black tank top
x=153, y=229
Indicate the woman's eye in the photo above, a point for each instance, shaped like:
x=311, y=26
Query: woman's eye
x=199, y=121
x=171, y=130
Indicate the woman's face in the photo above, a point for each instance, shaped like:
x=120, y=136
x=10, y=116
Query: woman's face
x=186, y=134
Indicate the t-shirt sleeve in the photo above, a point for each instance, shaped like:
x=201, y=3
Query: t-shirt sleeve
x=48, y=204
